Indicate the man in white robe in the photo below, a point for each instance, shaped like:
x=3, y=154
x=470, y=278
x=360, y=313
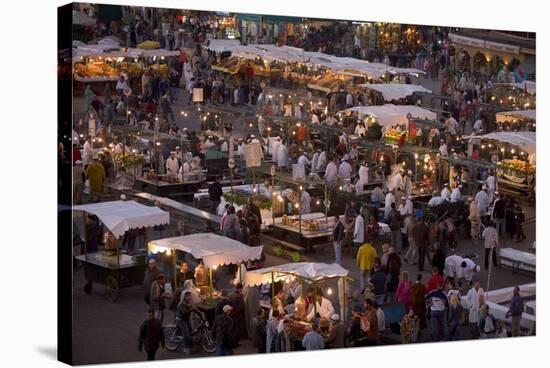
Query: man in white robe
x=324, y=308
x=172, y=165
x=344, y=171
x=282, y=156
x=305, y=203
x=446, y=193
x=364, y=173
x=315, y=161
x=303, y=161
x=456, y=194
x=322, y=162
x=474, y=300
x=407, y=183
x=331, y=174
x=491, y=183
x=88, y=152
x=390, y=198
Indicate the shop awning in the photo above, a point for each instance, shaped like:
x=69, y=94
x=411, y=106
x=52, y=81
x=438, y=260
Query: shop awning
x=394, y=91
x=281, y=19
x=248, y=17
x=309, y=271
x=516, y=114
x=214, y=250
x=390, y=114
x=120, y=216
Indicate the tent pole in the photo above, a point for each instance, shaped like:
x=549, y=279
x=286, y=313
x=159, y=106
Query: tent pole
x=272, y=289
x=344, y=312
x=314, y=302
x=175, y=268
x=211, y=285
x=85, y=236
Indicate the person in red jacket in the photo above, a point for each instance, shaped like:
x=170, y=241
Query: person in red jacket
x=434, y=280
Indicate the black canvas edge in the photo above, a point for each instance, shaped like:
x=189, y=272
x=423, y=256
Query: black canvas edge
x=64, y=186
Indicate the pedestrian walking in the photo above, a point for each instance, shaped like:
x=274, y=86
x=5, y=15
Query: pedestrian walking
x=151, y=336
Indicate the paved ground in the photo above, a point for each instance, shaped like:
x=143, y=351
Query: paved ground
x=107, y=332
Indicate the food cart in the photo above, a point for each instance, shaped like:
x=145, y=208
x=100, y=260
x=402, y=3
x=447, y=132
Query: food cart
x=205, y=252
x=394, y=118
x=516, y=167
x=111, y=266
x=513, y=95
x=318, y=275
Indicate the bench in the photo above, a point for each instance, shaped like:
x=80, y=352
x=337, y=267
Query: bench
x=518, y=260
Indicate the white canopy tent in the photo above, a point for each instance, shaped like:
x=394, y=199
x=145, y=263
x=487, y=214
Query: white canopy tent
x=516, y=114
x=339, y=65
x=222, y=45
x=214, y=250
x=394, y=91
x=309, y=271
x=390, y=114
x=120, y=216
x=526, y=140
x=528, y=86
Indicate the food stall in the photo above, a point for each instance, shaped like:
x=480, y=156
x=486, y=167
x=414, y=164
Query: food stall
x=320, y=276
x=394, y=119
x=513, y=95
x=310, y=229
x=464, y=170
x=106, y=62
x=206, y=253
x=111, y=266
x=516, y=167
x=522, y=120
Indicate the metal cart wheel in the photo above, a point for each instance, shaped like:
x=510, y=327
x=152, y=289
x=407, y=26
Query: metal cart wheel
x=111, y=288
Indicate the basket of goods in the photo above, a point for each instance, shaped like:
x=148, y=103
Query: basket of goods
x=392, y=135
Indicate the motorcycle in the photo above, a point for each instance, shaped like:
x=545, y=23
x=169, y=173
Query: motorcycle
x=199, y=332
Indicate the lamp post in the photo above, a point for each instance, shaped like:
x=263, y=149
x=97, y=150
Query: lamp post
x=231, y=165
x=273, y=194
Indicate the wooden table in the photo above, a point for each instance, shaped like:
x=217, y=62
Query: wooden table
x=165, y=189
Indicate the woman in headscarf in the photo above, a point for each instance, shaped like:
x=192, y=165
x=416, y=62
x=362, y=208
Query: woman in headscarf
x=189, y=286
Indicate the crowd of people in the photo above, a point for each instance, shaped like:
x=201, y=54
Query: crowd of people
x=325, y=146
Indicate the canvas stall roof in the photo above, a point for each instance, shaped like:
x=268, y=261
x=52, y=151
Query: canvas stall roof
x=157, y=52
x=516, y=114
x=306, y=270
x=529, y=86
x=120, y=216
x=222, y=45
x=213, y=249
x=342, y=65
x=526, y=140
x=390, y=114
x=394, y=91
